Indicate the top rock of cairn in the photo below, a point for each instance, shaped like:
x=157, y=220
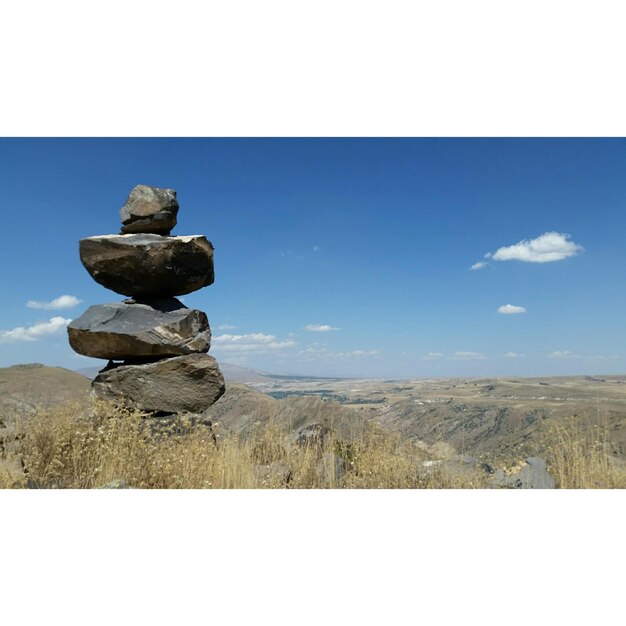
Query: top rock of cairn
x=149, y=210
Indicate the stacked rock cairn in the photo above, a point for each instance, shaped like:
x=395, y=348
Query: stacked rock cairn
x=155, y=345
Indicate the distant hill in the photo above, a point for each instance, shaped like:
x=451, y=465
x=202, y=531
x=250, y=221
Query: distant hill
x=24, y=388
x=90, y=372
x=238, y=374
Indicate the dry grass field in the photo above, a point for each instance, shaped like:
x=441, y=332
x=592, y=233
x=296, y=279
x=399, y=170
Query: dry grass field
x=61, y=450
x=458, y=433
x=62, y=447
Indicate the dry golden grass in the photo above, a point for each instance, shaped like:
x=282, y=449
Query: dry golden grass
x=62, y=449
x=580, y=455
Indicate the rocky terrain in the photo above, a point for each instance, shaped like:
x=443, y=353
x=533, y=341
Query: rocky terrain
x=495, y=416
x=482, y=417
x=501, y=432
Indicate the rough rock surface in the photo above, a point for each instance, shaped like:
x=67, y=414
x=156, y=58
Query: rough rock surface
x=149, y=265
x=120, y=330
x=190, y=383
x=272, y=475
x=312, y=436
x=12, y=471
x=532, y=475
x=116, y=484
x=332, y=468
x=149, y=210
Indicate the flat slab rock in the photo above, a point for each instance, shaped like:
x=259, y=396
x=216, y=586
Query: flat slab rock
x=149, y=265
x=149, y=210
x=184, y=384
x=122, y=330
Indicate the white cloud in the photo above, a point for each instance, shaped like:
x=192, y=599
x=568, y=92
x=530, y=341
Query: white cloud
x=32, y=333
x=563, y=354
x=226, y=327
x=62, y=302
x=431, y=356
x=512, y=355
x=468, y=356
x=253, y=342
x=320, y=328
x=546, y=248
x=511, y=309
x=478, y=266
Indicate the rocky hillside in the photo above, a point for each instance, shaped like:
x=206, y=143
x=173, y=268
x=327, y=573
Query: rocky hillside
x=242, y=410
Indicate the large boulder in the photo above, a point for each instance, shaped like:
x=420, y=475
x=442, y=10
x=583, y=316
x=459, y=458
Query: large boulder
x=149, y=265
x=123, y=330
x=183, y=384
x=149, y=210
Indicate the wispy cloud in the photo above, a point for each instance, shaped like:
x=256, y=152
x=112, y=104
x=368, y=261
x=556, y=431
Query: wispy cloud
x=478, y=266
x=62, y=302
x=546, y=248
x=432, y=356
x=314, y=352
x=469, y=356
x=568, y=354
x=226, y=327
x=511, y=309
x=564, y=354
x=512, y=355
x=299, y=254
x=34, y=332
x=253, y=342
x=319, y=328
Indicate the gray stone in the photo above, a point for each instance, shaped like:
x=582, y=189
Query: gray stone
x=532, y=475
x=12, y=471
x=312, y=436
x=149, y=265
x=149, y=210
x=121, y=330
x=332, y=468
x=10, y=437
x=272, y=475
x=116, y=484
x=160, y=223
x=183, y=384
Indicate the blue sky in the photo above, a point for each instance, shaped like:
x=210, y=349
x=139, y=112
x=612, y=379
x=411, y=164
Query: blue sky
x=346, y=257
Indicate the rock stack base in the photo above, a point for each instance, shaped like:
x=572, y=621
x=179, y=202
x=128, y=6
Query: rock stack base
x=155, y=345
